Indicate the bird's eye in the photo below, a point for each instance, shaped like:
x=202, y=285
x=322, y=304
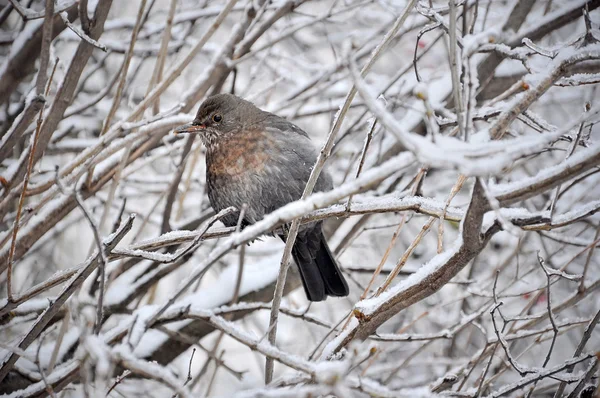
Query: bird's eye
x=217, y=118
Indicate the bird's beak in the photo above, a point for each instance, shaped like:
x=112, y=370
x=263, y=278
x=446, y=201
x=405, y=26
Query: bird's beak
x=189, y=128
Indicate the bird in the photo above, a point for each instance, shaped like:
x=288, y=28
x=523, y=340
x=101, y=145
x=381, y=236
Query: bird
x=261, y=161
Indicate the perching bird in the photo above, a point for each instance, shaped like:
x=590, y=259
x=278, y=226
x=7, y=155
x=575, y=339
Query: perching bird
x=260, y=160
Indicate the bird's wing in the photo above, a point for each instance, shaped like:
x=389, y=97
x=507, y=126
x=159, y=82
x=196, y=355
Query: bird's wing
x=283, y=125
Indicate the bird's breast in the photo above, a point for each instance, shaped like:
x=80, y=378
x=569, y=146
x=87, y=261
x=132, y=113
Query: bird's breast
x=239, y=154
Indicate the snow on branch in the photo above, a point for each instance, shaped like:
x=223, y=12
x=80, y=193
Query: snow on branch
x=457, y=167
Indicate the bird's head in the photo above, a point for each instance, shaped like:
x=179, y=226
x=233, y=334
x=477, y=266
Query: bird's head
x=220, y=115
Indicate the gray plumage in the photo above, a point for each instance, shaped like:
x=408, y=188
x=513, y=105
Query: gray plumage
x=259, y=159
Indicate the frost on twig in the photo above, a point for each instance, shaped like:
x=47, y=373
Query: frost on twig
x=481, y=137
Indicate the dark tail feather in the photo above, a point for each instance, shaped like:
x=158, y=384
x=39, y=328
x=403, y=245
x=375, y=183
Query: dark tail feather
x=320, y=273
x=335, y=284
x=309, y=271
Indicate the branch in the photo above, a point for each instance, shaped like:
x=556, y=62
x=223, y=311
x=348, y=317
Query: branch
x=21, y=60
x=66, y=292
x=28, y=14
x=372, y=313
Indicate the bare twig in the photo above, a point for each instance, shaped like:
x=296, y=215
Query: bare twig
x=15, y=229
x=81, y=34
x=455, y=70
x=27, y=14
x=580, y=347
x=73, y=284
x=176, y=71
x=103, y=255
x=314, y=175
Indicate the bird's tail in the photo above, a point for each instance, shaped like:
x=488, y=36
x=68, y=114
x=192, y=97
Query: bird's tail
x=319, y=271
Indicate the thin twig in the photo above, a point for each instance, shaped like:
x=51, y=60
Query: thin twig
x=314, y=175
x=549, y=307
x=101, y=249
x=67, y=291
x=83, y=16
x=118, y=96
x=15, y=231
x=588, y=260
x=176, y=71
x=40, y=83
x=455, y=68
x=587, y=334
x=162, y=55
x=28, y=15
x=81, y=34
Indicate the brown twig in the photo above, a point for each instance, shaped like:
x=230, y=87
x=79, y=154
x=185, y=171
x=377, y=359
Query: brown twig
x=34, y=142
x=314, y=175
x=52, y=309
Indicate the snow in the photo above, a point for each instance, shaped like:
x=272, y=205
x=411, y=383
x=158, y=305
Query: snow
x=74, y=144
x=149, y=255
x=139, y=327
x=331, y=372
x=471, y=159
x=171, y=235
x=120, y=289
x=394, y=202
x=283, y=392
x=256, y=276
x=22, y=38
x=99, y=353
x=32, y=305
x=371, y=305
x=580, y=156
x=306, y=78
x=293, y=210
x=59, y=372
x=513, y=213
x=527, y=379
x=122, y=353
x=263, y=346
x=472, y=42
x=577, y=213
x=331, y=347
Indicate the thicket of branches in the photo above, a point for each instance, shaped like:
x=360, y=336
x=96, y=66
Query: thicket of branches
x=462, y=139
